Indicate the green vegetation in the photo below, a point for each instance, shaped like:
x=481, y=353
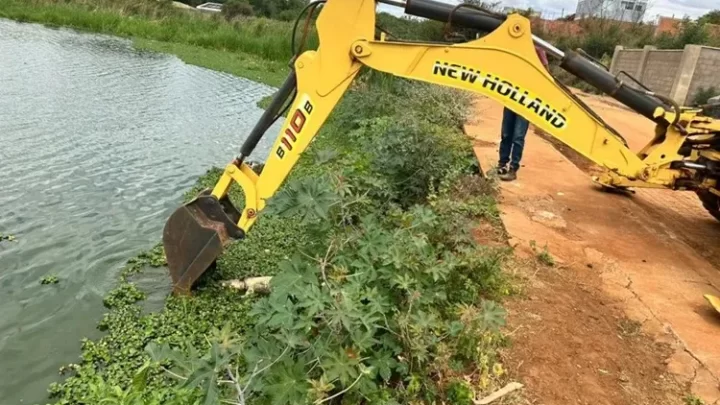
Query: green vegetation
x=160, y=21
x=711, y=17
x=7, y=237
x=49, y=279
x=379, y=292
x=240, y=64
x=692, y=399
x=704, y=94
x=691, y=32
x=265, y=103
x=543, y=255
x=236, y=8
x=600, y=36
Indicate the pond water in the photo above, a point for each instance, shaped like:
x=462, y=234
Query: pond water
x=98, y=143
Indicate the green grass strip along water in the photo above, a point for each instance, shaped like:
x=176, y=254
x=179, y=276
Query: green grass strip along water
x=255, y=48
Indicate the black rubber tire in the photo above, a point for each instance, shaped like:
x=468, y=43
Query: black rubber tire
x=711, y=202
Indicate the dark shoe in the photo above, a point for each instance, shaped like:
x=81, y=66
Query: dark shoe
x=497, y=171
x=508, y=175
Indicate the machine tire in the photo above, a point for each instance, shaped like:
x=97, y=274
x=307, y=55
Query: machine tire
x=711, y=202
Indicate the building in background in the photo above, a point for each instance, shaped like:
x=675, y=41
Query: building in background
x=212, y=7
x=619, y=10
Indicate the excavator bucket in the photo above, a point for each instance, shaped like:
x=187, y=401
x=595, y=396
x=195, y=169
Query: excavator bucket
x=195, y=235
x=714, y=301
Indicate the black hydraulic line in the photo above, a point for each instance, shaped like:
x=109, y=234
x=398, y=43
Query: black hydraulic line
x=270, y=115
x=588, y=71
x=571, y=61
x=466, y=17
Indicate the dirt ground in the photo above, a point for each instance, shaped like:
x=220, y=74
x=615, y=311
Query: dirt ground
x=620, y=318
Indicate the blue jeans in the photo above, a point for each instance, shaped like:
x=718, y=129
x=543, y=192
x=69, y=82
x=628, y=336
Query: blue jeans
x=512, y=140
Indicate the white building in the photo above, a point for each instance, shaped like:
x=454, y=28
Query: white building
x=619, y=10
x=212, y=7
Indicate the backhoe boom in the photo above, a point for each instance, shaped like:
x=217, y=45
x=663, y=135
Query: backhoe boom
x=502, y=65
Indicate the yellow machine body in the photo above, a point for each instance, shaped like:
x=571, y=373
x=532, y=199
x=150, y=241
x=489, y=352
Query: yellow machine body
x=502, y=65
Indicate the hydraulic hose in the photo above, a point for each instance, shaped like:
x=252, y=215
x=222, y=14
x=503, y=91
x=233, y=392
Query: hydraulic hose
x=270, y=115
x=571, y=61
x=600, y=78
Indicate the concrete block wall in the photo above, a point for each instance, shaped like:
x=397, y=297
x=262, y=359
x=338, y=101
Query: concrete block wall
x=660, y=70
x=626, y=60
x=707, y=72
x=677, y=73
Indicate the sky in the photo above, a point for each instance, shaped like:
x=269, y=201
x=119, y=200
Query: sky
x=678, y=8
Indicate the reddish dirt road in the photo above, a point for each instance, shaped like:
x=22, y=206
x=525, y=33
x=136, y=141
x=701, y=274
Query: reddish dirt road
x=621, y=318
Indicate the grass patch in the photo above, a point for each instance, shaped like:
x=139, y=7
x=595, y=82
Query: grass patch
x=543, y=255
x=629, y=327
x=237, y=63
x=264, y=103
x=254, y=48
x=692, y=399
x=160, y=21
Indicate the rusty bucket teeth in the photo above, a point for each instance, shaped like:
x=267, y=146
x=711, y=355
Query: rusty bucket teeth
x=195, y=236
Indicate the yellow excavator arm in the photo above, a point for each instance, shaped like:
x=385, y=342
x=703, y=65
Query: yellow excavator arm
x=503, y=65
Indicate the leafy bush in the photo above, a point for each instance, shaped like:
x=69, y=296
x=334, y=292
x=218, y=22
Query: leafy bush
x=689, y=33
x=407, y=28
x=703, y=94
x=379, y=292
x=385, y=310
x=237, y=8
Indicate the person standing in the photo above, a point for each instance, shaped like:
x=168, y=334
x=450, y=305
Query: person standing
x=512, y=137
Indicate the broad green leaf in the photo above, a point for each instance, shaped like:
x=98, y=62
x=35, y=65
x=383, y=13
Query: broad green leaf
x=438, y=272
x=262, y=311
x=363, y=339
x=293, y=276
x=403, y=282
x=326, y=155
x=293, y=339
x=283, y=314
x=493, y=315
x=390, y=342
x=424, y=320
x=211, y=391
x=287, y=383
x=339, y=366
x=378, y=303
x=455, y=328
x=307, y=198
x=383, y=363
x=157, y=352
x=263, y=352
x=199, y=377
x=313, y=300
x=423, y=216
x=140, y=378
